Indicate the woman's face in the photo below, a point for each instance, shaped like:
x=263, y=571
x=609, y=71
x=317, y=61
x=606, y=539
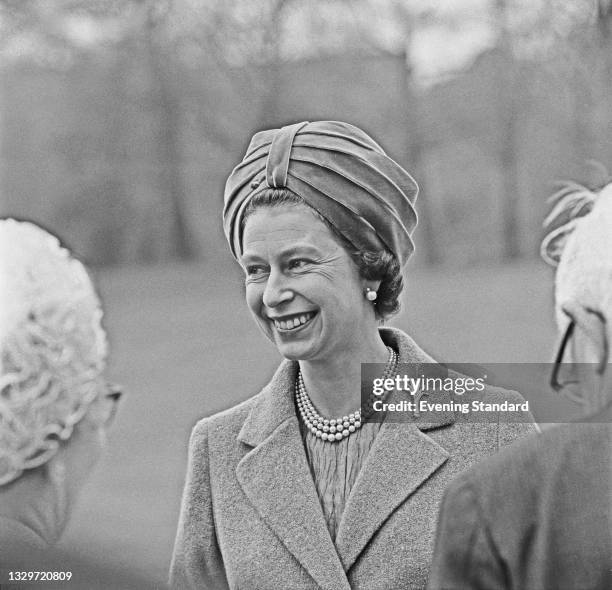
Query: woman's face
x=302, y=287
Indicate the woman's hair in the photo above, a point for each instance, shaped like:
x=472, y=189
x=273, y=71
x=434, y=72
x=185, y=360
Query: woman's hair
x=372, y=265
x=52, y=346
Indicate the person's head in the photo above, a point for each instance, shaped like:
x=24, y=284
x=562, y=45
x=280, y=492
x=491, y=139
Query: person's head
x=582, y=251
x=54, y=403
x=320, y=219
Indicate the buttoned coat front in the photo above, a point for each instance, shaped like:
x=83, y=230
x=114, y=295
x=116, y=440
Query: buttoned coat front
x=251, y=518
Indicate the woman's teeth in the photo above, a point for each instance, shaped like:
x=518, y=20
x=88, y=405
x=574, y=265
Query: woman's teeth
x=294, y=322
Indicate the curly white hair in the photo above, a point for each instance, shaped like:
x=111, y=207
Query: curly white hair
x=52, y=343
x=581, y=247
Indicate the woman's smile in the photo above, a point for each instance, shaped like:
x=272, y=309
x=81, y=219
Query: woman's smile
x=293, y=322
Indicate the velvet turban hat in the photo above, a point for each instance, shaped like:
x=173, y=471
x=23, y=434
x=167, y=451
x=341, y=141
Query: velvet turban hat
x=340, y=172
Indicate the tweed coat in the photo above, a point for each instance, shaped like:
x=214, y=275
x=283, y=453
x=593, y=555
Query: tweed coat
x=251, y=519
x=538, y=518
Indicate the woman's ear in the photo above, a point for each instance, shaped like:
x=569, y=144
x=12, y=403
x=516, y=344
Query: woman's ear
x=371, y=291
x=372, y=285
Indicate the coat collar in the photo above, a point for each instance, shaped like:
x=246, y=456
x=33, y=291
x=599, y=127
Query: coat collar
x=274, y=404
x=276, y=477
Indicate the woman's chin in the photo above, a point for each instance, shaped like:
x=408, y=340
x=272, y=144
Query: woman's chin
x=298, y=349
x=294, y=351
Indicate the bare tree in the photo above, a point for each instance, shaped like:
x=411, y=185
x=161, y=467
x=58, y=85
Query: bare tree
x=414, y=140
x=509, y=89
x=170, y=124
x=603, y=20
x=603, y=11
x=156, y=229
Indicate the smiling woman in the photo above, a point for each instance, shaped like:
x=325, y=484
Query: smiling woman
x=302, y=287
x=296, y=487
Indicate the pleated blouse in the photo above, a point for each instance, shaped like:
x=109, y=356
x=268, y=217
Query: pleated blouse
x=335, y=467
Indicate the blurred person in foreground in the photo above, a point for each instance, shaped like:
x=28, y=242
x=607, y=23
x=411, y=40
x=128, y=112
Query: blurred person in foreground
x=54, y=403
x=295, y=487
x=539, y=516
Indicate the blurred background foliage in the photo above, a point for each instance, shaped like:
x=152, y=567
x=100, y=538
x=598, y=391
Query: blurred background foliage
x=121, y=119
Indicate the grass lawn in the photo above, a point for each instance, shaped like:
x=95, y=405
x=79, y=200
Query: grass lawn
x=185, y=346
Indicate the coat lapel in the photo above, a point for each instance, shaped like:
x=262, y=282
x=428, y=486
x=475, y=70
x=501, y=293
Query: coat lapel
x=276, y=478
x=402, y=458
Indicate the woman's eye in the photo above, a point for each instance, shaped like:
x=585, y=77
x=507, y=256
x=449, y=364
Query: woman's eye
x=255, y=270
x=298, y=263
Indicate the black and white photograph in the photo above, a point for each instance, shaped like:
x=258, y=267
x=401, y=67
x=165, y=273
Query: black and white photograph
x=306, y=294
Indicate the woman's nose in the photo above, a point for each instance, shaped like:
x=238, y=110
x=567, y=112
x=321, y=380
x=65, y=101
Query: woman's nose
x=277, y=290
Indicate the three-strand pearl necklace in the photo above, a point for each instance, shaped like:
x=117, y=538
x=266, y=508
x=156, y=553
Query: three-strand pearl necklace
x=335, y=429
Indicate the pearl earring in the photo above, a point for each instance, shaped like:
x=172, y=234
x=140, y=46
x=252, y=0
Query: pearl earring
x=371, y=295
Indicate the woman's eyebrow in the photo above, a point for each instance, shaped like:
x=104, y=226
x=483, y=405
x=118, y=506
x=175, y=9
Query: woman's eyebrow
x=250, y=257
x=300, y=249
